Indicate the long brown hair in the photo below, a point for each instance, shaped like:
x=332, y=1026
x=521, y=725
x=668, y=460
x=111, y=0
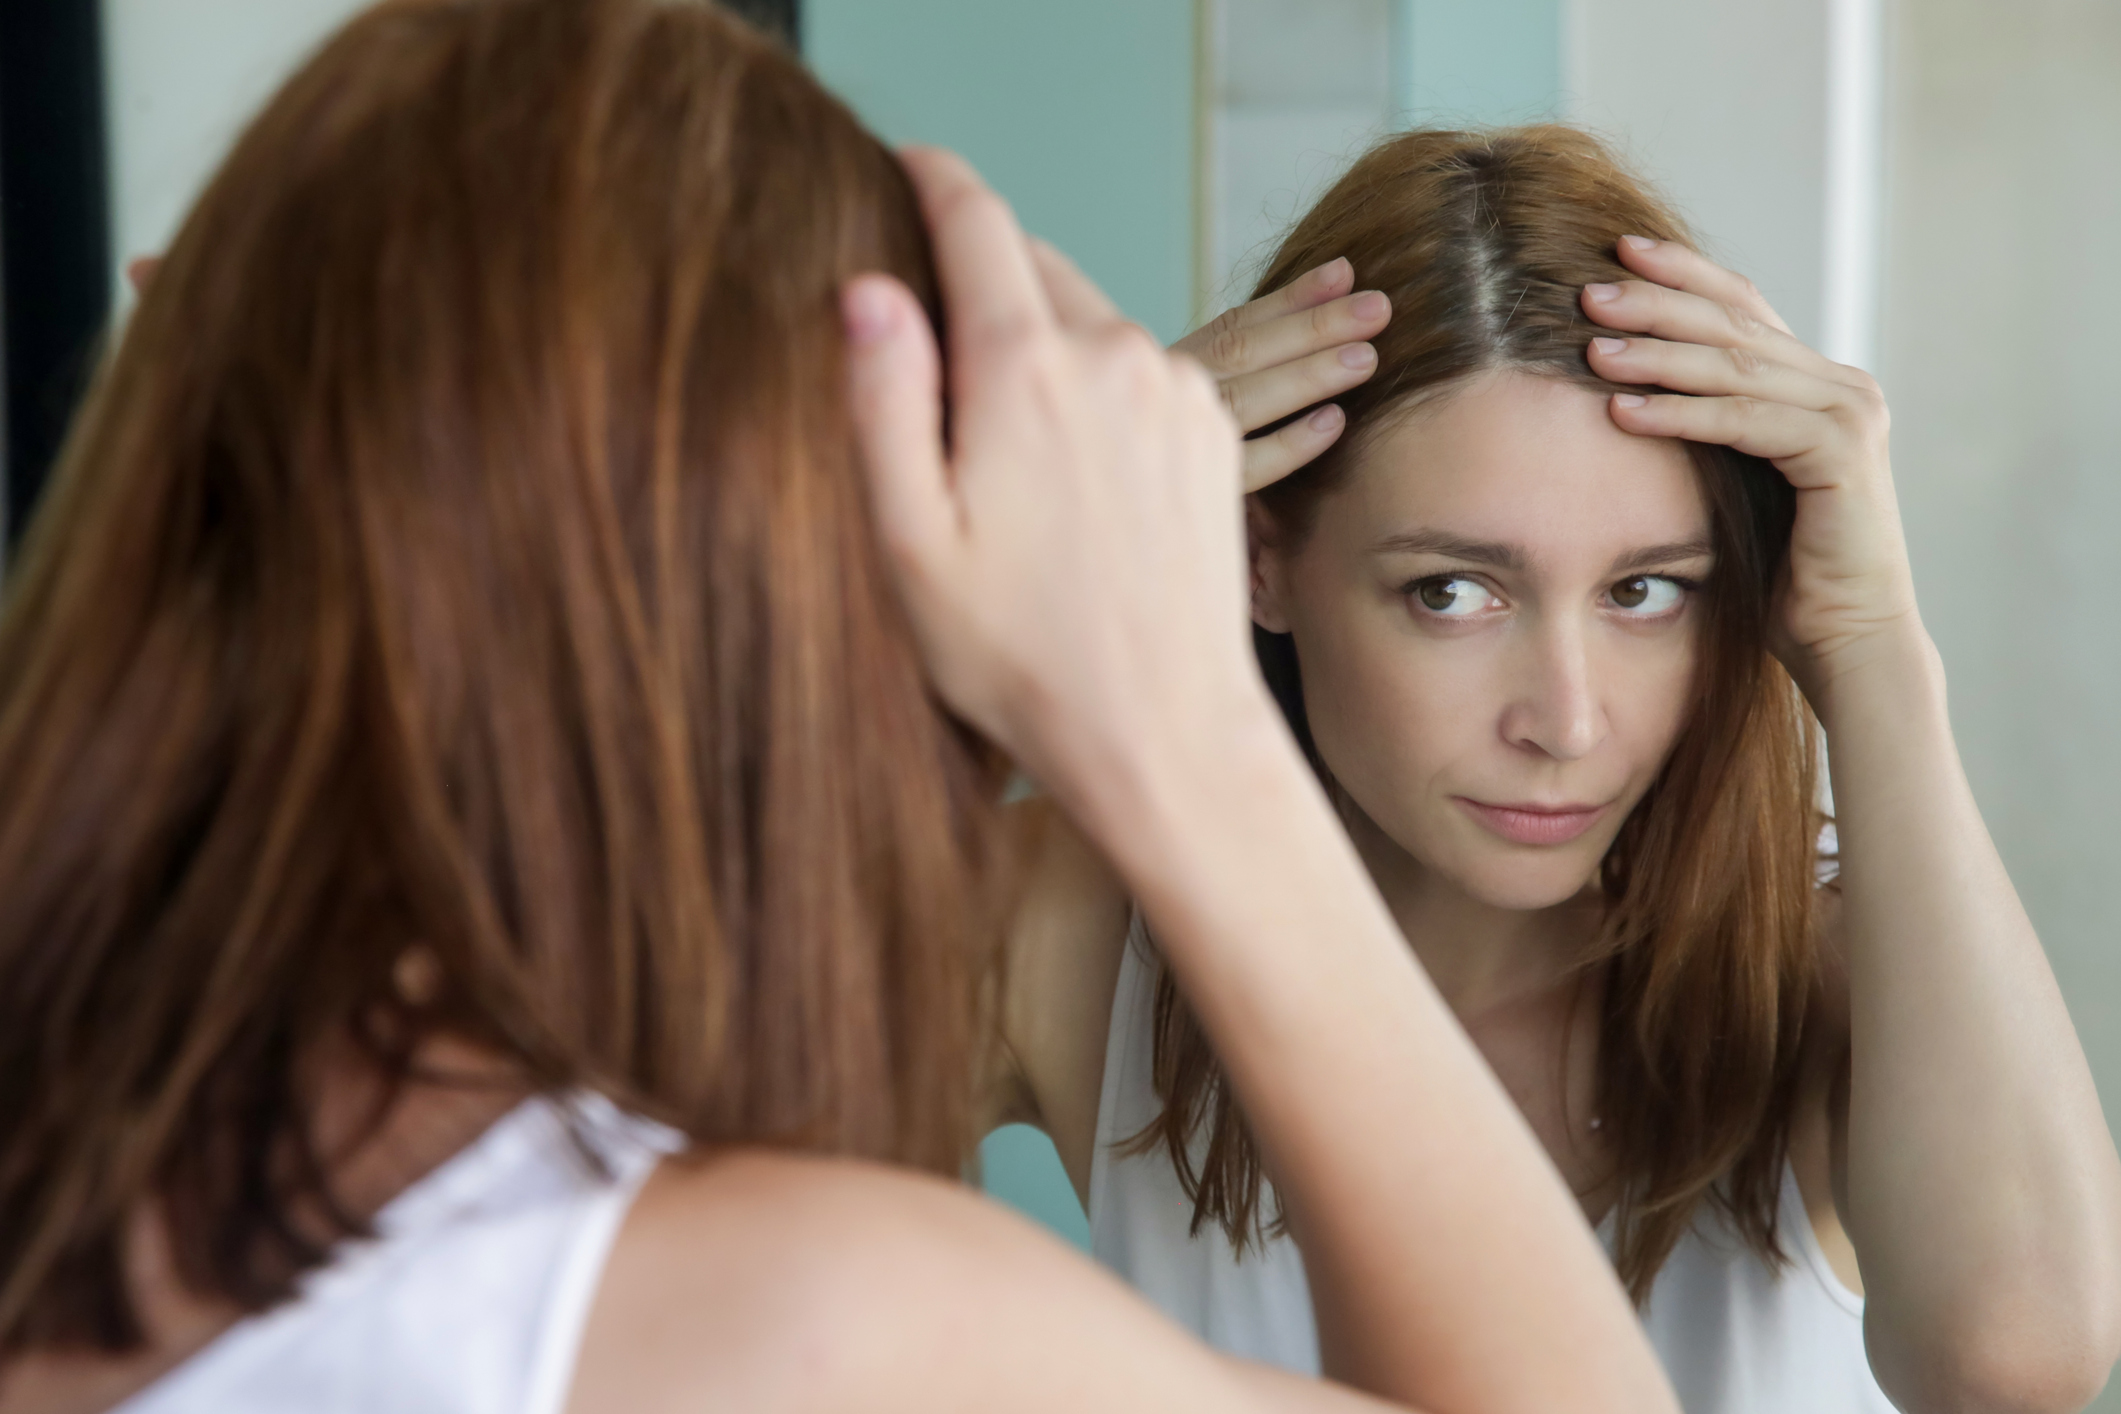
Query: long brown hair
x=1484, y=242
x=465, y=548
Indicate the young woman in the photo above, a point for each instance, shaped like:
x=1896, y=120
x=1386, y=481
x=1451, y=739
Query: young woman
x=487, y=890
x=1548, y=617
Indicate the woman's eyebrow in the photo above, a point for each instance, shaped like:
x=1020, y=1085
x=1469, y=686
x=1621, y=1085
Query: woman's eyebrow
x=1439, y=542
x=1662, y=554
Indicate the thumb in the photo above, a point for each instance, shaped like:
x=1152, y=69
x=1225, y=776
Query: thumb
x=895, y=393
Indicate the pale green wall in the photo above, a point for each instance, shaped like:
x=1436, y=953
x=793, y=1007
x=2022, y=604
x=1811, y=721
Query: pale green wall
x=1476, y=61
x=1079, y=111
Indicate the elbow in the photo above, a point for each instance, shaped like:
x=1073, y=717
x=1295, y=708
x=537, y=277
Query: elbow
x=2040, y=1358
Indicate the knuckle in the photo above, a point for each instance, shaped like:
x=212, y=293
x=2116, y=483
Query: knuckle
x=1132, y=346
x=1745, y=362
x=909, y=544
x=1012, y=341
x=971, y=201
x=1742, y=324
x=1129, y=357
x=1228, y=345
x=1866, y=405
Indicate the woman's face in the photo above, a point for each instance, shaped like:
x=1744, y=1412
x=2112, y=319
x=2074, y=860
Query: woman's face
x=1497, y=625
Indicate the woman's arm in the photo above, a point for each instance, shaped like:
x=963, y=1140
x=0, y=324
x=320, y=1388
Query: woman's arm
x=1279, y=354
x=1074, y=567
x=1983, y=1190
x=782, y=1284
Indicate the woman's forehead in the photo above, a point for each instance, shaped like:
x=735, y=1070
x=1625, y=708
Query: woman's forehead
x=1519, y=458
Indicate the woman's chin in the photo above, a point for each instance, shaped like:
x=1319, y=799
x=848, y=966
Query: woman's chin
x=1525, y=885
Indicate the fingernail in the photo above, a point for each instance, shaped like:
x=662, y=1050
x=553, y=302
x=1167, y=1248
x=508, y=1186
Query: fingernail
x=867, y=310
x=1326, y=418
x=1370, y=304
x=1602, y=294
x=1610, y=346
x=1358, y=356
x=1330, y=272
x=1637, y=242
x=1630, y=400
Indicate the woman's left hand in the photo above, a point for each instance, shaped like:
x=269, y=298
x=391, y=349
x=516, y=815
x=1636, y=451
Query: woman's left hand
x=1739, y=377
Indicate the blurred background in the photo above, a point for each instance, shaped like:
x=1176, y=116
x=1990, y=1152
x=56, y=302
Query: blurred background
x=1926, y=188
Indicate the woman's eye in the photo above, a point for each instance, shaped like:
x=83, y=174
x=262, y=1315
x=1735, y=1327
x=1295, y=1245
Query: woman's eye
x=1647, y=595
x=1453, y=597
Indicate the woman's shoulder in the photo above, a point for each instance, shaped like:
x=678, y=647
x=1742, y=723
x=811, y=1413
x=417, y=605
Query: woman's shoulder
x=788, y=1282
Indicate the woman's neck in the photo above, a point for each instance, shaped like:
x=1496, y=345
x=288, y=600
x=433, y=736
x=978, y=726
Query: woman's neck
x=461, y=1090
x=1515, y=980
x=1480, y=956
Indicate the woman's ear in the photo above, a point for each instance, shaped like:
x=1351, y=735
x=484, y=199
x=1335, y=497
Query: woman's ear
x=1264, y=542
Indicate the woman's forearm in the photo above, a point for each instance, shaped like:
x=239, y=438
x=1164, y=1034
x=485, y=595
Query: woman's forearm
x=1984, y=1193
x=1449, y=1266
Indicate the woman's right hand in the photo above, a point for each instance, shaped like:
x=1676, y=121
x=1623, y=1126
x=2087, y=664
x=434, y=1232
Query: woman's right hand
x=1073, y=560
x=1285, y=351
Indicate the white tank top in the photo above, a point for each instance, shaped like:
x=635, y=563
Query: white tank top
x=1734, y=1336
x=470, y=1299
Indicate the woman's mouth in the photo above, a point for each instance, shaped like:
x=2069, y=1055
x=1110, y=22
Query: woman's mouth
x=1533, y=824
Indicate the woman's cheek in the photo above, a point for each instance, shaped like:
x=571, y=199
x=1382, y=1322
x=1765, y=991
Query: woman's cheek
x=1658, y=686
x=1388, y=713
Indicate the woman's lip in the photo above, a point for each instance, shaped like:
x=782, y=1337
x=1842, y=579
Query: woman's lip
x=1534, y=824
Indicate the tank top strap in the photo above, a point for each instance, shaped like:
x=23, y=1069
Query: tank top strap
x=470, y=1298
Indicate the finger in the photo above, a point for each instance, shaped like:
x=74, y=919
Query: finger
x=1639, y=307
x=1780, y=433
x=1328, y=282
x=1271, y=395
x=895, y=398
x=1268, y=459
x=140, y=270
x=1706, y=371
x=1314, y=287
x=991, y=289
x=1231, y=351
x=1671, y=264
x=1077, y=302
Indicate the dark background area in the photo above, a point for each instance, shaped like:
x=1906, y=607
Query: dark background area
x=55, y=240
x=54, y=229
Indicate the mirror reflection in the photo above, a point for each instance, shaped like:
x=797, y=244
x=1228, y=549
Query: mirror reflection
x=1632, y=956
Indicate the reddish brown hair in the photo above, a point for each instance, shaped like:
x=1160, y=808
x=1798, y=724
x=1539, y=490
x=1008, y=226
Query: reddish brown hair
x=464, y=547
x=1484, y=241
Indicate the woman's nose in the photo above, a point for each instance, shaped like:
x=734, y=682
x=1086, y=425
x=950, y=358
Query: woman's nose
x=1556, y=709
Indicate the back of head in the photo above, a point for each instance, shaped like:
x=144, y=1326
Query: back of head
x=463, y=552
x=1484, y=242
